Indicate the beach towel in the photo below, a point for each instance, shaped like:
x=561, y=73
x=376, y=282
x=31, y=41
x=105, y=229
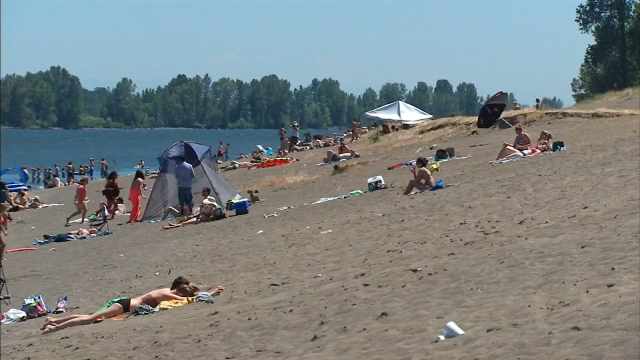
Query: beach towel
x=13, y=316
x=172, y=304
x=527, y=154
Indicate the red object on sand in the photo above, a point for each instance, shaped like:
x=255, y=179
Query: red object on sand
x=21, y=249
x=272, y=163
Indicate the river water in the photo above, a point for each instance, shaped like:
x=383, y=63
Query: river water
x=122, y=148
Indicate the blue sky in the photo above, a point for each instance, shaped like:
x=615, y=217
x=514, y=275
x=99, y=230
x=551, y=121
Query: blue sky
x=531, y=48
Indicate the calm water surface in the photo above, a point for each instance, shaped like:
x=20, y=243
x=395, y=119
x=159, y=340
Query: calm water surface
x=123, y=148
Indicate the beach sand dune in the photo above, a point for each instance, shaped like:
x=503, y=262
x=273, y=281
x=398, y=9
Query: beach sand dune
x=534, y=259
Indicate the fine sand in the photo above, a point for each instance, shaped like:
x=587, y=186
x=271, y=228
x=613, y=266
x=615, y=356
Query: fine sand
x=534, y=259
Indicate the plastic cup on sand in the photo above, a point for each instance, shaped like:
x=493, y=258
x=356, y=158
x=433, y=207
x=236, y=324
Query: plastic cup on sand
x=451, y=329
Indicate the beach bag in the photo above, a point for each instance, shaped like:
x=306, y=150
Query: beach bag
x=441, y=154
x=34, y=306
x=558, y=146
x=451, y=152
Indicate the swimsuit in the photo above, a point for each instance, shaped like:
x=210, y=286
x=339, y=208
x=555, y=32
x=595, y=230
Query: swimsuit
x=123, y=301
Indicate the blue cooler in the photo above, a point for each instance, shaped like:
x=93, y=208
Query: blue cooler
x=241, y=206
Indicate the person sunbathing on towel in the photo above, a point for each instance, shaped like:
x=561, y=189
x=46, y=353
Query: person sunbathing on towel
x=422, y=178
x=209, y=210
x=522, y=141
x=544, y=141
x=180, y=289
x=519, y=148
x=344, y=149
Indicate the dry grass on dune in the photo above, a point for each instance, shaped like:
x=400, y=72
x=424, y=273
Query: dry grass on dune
x=280, y=181
x=623, y=99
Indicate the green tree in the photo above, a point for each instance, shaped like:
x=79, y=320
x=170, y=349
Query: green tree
x=368, y=100
x=467, y=99
x=444, y=102
x=391, y=92
x=606, y=64
x=420, y=96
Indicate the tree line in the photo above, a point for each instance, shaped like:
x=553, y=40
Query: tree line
x=56, y=98
x=612, y=62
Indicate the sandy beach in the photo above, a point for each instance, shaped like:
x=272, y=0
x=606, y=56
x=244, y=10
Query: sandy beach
x=535, y=259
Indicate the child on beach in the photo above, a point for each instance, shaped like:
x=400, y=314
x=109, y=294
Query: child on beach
x=80, y=200
x=135, y=196
x=111, y=192
x=181, y=289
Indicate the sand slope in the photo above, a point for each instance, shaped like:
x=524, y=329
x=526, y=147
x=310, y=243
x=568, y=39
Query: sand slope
x=535, y=259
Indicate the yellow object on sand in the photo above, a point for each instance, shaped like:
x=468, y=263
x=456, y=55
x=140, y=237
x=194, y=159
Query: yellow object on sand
x=172, y=304
x=434, y=167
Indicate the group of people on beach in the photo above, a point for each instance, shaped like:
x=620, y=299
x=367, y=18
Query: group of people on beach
x=523, y=146
x=113, y=202
x=58, y=176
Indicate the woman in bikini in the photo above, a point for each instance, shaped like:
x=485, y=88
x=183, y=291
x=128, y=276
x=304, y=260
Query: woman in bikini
x=181, y=288
x=422, y=178
x=521, y=146
x=544, y=141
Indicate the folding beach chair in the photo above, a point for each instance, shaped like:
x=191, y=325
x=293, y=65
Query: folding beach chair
x=101, y=223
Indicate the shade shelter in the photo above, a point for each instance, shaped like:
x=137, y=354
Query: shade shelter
x=165, y=188
x=398, y=111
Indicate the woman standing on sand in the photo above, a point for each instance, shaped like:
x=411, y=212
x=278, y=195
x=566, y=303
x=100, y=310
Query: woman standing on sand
x=80, y=201
x=135, y=196
x=111, y=192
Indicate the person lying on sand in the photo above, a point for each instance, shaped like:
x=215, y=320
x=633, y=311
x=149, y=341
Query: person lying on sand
x=332, y=157
x=508, y=152
x=180, y=289
x=209, y=210
x=422, y=178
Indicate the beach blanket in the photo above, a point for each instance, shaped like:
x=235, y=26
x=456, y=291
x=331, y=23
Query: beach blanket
x=272, y=163
x=68, y=237
x=531, y=153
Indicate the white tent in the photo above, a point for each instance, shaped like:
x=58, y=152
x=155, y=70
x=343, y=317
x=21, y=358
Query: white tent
x=398, y=111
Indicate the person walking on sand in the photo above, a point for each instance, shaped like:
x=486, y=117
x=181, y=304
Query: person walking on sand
x=80, y=201
x=226, y=152
x=180, y=289
x=184, y=177
x=135, y=196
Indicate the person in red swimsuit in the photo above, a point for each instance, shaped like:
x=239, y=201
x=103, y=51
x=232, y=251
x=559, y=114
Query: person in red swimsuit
x=80, y=200
x=135, y=196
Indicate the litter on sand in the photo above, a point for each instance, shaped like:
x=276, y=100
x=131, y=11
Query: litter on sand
x=450, y=330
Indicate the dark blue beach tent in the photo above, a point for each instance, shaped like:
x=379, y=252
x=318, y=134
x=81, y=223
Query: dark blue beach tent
x=165, y=188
